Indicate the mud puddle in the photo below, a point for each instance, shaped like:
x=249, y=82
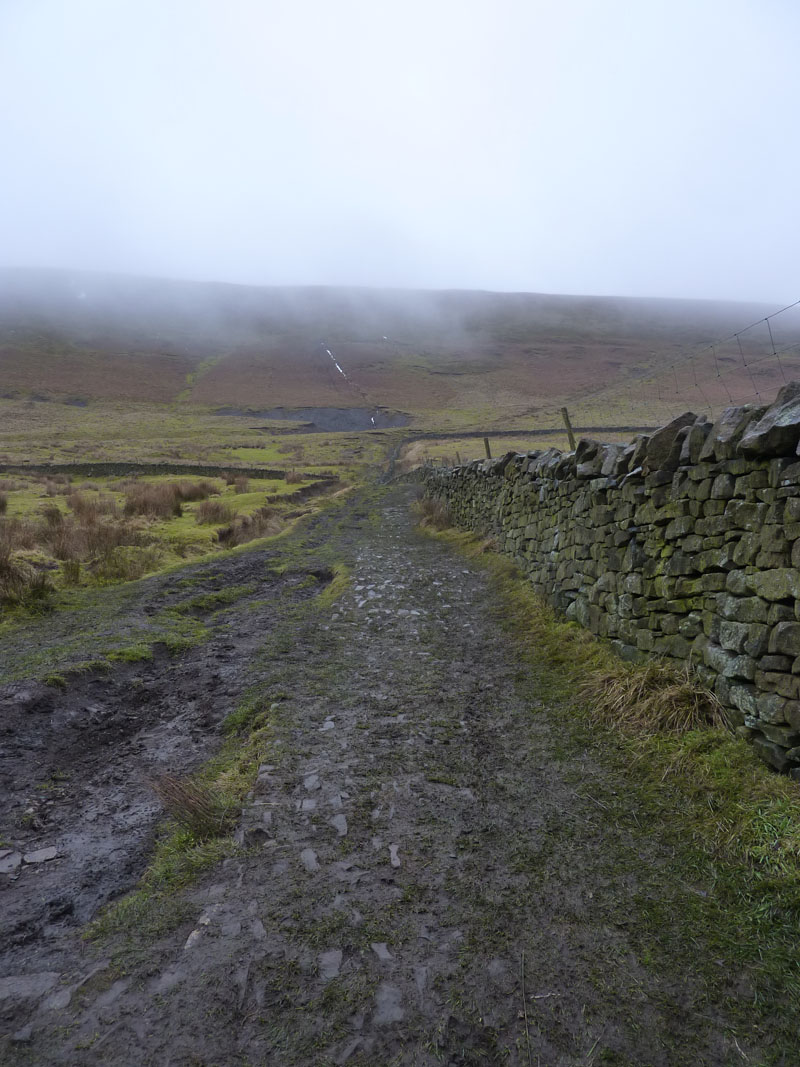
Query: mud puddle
x=78, y=815
x=327, y=420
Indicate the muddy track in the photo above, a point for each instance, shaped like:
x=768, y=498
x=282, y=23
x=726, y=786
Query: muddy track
x=424, y=876
x=75, y=762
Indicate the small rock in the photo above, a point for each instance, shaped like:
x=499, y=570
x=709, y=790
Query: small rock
x=380, y=950
x=10, y=862
x=394, y=859
x=192, y=939
x=311, y=782
x=58, y=1000
x=256, y=836
x=308, y=858
x=339, y=823
x=329, y=724
x=309, y=804
x=23, y=1036
x=329, y=964
x=257, y=930
x=41, y=855
x=388, y=1005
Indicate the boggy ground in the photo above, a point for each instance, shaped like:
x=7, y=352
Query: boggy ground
x=427, y=873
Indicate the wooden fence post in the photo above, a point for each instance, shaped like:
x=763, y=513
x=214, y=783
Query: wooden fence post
x=568, y=424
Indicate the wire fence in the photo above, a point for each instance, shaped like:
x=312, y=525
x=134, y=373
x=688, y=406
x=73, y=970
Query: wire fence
x=748, y=366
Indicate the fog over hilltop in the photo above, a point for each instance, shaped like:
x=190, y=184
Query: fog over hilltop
x=83, y=303
x=517, y=145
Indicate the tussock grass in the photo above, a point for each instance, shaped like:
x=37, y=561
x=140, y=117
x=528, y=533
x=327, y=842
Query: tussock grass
x=210, y=511
x=195, y=805
x=205, y=802
x=159, y=501
x=163, y=500
x=241, y=484
x=21, y=582
x=52, y=515
x=657, y=696
x=3, y=503
x=89, y=506
x=71, y=571
x=432, y=514
x=126, y=563
x=261, y=523
x=17, y=534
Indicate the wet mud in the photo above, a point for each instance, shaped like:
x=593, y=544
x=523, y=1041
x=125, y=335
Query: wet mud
x=78, y=813
x=425, y=876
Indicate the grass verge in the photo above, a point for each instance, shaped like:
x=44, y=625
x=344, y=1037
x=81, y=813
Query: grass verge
x=678, y=775
x=186, y=846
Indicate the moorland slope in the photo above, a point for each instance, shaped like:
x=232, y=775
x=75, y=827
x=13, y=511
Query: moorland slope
x=470, y=359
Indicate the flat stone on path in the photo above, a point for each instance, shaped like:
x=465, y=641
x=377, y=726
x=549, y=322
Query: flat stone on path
x=41, y=855
x=308, y=858
x=388, y=1005
x=339, y=823
x=10, y=862
x=330, y=964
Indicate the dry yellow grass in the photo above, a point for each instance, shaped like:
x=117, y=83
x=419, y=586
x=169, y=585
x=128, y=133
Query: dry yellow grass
x=195, y=806
x=432, y=514
x=657, y=696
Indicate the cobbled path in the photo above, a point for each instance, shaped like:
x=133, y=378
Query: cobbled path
x=423, y=877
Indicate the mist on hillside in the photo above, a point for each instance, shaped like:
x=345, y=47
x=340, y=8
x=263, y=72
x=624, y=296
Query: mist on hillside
x=82, y=303
x=78, y=336
x=512, y=146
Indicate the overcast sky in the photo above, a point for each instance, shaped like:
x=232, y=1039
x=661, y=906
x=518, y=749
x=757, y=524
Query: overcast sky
x=635, y=147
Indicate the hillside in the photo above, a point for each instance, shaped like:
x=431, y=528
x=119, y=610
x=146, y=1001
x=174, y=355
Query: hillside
x=469, y=359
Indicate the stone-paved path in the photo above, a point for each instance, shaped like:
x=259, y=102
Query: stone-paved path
x=425, y=878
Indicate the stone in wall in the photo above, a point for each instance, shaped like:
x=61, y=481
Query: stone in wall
x=684, y=544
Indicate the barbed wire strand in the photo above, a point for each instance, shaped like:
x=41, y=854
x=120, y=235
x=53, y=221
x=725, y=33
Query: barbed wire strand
x=694, y=352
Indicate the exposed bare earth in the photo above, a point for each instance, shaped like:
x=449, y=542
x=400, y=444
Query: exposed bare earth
x=426, y=876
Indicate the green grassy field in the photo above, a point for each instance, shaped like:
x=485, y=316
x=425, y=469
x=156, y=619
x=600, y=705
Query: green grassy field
x=58, y=533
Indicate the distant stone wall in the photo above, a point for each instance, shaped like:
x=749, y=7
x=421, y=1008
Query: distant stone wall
x=130, y=468
x=685, y=543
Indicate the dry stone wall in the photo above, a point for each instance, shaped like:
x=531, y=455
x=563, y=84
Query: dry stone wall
x=685, y=544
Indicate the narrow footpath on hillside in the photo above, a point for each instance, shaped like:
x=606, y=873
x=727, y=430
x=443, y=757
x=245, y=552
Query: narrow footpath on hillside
x=425, y=875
